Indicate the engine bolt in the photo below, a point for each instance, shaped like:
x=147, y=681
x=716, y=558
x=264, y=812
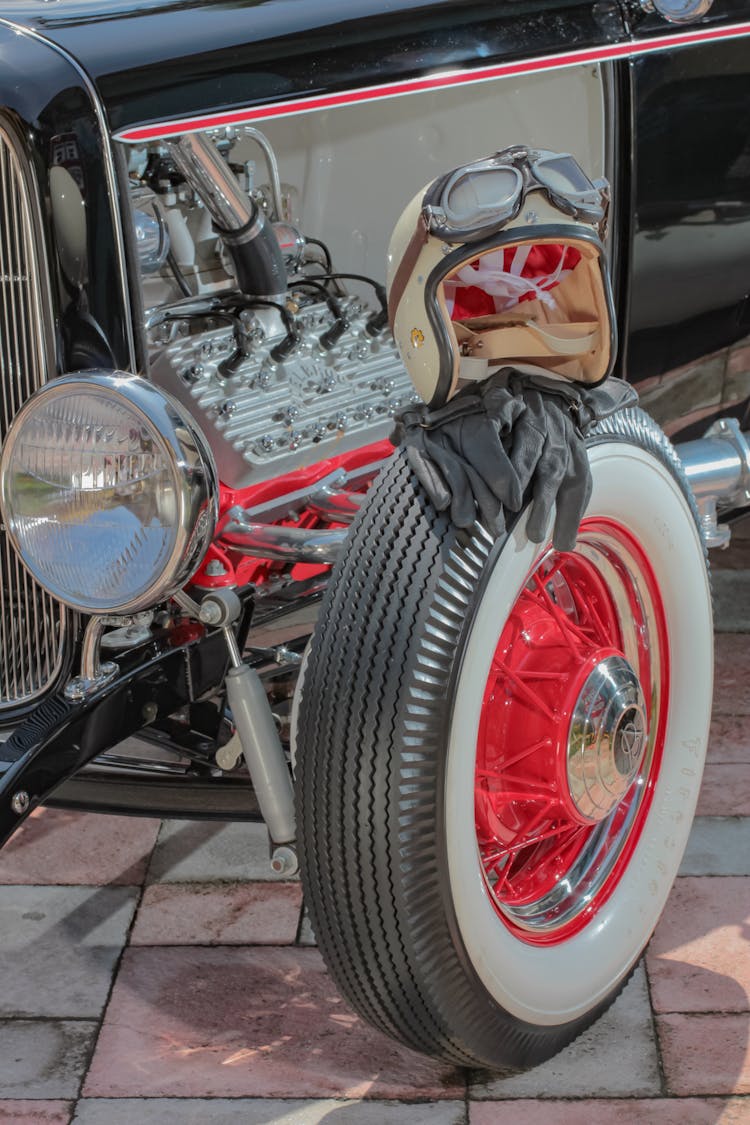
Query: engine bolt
x=284, y=862
x=215, y=568
x=149, y=711
x=194, y=373
x=266, y=443
x=20, y=802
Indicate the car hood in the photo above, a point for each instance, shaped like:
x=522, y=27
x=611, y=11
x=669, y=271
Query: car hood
x=166, y=59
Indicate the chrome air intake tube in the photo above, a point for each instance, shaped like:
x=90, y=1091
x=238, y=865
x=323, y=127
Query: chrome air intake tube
x=249, y=238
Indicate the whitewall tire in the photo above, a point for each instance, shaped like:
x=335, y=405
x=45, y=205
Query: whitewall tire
x=499, y=750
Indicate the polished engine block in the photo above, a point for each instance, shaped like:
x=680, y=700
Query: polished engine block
x=267, y=418
x=276, y=383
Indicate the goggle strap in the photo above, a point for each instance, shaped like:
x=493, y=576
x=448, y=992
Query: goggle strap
x=406, y=268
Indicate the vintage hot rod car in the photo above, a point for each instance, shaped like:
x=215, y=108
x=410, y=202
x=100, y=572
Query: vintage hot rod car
x=497, y=746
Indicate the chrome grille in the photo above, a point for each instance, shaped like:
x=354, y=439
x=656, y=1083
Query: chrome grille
x=32, y=624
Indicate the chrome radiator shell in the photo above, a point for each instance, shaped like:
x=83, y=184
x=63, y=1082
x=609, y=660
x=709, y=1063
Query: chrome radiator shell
x=32, y=624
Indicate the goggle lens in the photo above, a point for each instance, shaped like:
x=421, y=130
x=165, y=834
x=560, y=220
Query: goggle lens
x=563, y=176
x=479, y=198
x=474, y=193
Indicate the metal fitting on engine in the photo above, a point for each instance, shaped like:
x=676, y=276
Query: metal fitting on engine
x=220, y=608
x=718, y=469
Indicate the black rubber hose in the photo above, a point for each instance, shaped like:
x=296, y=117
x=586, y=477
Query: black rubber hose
x=258, y=260
x=179, y=276
x=340, y=324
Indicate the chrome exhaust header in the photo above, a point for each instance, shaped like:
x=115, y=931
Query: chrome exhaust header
x=718, y=469
x=256, y=532
x=284, y=544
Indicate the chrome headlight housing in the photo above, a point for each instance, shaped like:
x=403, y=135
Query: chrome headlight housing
x=108, y=492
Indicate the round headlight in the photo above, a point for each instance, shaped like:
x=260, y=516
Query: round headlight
x=108, y=492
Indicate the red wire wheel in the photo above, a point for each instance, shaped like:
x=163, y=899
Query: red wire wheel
x=571, y=734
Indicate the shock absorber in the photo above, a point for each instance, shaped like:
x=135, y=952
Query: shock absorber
x=261, y=745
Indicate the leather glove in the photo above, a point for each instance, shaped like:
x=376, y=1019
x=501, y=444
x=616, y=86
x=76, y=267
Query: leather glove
x=460, y=453
x=482, y=452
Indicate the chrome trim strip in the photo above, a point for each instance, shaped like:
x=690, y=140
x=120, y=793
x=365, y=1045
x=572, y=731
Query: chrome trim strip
x=109, y=172
x=586, y=55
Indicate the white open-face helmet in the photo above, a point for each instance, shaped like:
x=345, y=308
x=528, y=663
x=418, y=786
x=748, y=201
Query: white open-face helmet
x=501, y=262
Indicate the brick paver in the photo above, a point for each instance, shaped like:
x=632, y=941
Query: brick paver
x=35, y=1112
x=695, y=967
x=162, y=974
x=247, y=1023
x=207, y=914
x=706, y=1053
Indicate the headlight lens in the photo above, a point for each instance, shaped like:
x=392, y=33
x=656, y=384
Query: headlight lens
x=108, y=492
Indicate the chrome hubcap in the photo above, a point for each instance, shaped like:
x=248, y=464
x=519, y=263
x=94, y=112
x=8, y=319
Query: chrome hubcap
x=607, y=738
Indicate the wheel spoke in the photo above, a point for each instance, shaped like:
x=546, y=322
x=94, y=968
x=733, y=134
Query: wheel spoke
x=514, y=759
x=534, y=675
x=532, y=697
x=570, y=632
x=503, y=796
x=588, y=609
x=518, y=845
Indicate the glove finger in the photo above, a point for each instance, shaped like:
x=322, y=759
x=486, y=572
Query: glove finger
x=611, y=395
x=490, y=508
x=550, y=473
x=572, y=497
x=429, y=477
x=482, y=449
x=463, y=509
x=528, y=440
x=503, y=408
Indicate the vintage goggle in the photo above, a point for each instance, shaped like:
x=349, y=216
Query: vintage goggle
x=475, y=201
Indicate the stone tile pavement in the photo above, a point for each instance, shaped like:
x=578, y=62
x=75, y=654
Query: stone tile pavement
x=158, y=973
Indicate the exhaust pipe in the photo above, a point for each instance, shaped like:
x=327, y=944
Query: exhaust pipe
x=254, y=532
x=285, y=544
x=718, y=469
